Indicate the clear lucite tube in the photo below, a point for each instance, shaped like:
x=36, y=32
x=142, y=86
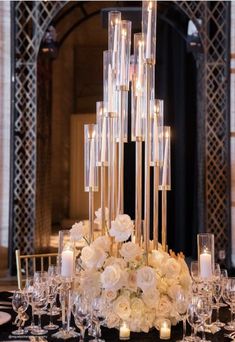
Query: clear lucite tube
x=90, y=158
x=206, y=255
x=149, y=11
x=122, y=115
x=123, y=66
x=114, y=29
x=156, y=128
x=165, y=169
x=137, y=128
x=102, y=134
x=109, y=83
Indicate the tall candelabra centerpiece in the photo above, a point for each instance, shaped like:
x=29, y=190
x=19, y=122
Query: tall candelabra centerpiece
x=137, y=277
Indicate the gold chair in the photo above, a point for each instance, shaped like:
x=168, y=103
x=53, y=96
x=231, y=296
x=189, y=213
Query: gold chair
x=28, y=264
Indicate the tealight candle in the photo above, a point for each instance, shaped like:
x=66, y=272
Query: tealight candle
x=165, y=329
x=124, y=332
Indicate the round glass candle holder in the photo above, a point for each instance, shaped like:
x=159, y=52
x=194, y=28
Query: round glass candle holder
x=124, y=331
x=165, y=329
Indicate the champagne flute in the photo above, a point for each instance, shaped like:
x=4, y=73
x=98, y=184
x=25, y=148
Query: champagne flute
x=98, y=304
x=81, y=315
x=52, y=292
x=224, y=276
x=19, y=305
x=28, y=290
x=217, y=293
x=193, y=320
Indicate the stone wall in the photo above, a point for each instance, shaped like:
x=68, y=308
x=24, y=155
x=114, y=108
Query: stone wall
x=5, y=119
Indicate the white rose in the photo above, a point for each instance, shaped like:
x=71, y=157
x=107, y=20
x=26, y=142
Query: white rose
x=162, y=284
x=93, y=257
x=172, y=268
x=78, y=231
x=112, y=320
x=98, y=214
x=121, y=228
x=119, y=261
x=131, y=281
x=130, y=251
x=121, y=307
x=90, y=282
x=112, y=278
x=158, y=258
x=102, y=242
x=185, y=280
x=137, y=308
x=109, y=295
x=146, y=278
x=151, y=298
x=164, y=307
x=173, y=290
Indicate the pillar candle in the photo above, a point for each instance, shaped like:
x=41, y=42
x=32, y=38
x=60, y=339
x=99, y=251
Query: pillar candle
x=67, y=263
x=205, y=265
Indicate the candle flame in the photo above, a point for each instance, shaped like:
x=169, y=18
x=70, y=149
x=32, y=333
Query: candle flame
x=124, y=32
x=150, y=6
x=167, y=134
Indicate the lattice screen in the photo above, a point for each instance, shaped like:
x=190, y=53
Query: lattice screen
x=31, y=20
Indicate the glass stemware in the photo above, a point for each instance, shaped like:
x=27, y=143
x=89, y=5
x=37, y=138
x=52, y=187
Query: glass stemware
x=217, y=293
x=193, y=320
x=229, y=297
x=28, y=290
x=52, y=292
x=39, y=298
x=204, y=310
x=19, y=305
x=182, y=302
x=81, y=313
x=97, y=316
x=224, y=276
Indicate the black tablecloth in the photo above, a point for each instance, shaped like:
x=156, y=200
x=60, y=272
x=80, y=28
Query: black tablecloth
x=110, y=335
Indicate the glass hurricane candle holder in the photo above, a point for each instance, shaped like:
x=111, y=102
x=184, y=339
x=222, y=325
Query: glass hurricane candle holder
x=165, y=168
x=66, y=253
x=109, y=82
x=90, y=162
x=156, y=132
x=206, y=259
x=124, y=331
x=123, y=66
x=149, y=11
x=102, y=133
x=165, y=329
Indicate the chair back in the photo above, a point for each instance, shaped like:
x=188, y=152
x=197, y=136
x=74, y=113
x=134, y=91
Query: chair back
x=28, y=264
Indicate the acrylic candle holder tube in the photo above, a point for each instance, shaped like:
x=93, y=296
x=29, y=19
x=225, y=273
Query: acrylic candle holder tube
x=90, y=162
x=149, y=12
x=165, y=168
x=124, y=331
x=156, y=132
x=114, y=30
x=109, y=83
x=66, y=251
x=102, y=134
x=206, y=255
x=123, y=65
x=165, y=329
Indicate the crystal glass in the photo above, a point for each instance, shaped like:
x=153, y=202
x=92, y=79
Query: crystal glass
x=217, y=287
x=181, y=302
x=224, y=276
x=193, y=320
x=28, y=290
x=230, y=325
x=204, y=310
x=97, y=306
x=205, y=244
x=19, y=305
x=52, y=286
x=81, y=313
x=40, y=300
x=229, y=292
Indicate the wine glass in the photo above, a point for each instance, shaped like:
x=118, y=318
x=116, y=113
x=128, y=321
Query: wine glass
x=224, y=276
x=217, y=293
x=39, y=298
x=28, y=290
x=229, y=296
x=51, y=293
x=81, y=313
x=194, y=270
x=230, y=325
x=19, y=305
x=193, y=320
x=98, y=317
x=182, y=302
x=204, y=310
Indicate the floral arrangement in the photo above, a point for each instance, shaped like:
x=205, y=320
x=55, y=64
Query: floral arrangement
x=134, y=292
